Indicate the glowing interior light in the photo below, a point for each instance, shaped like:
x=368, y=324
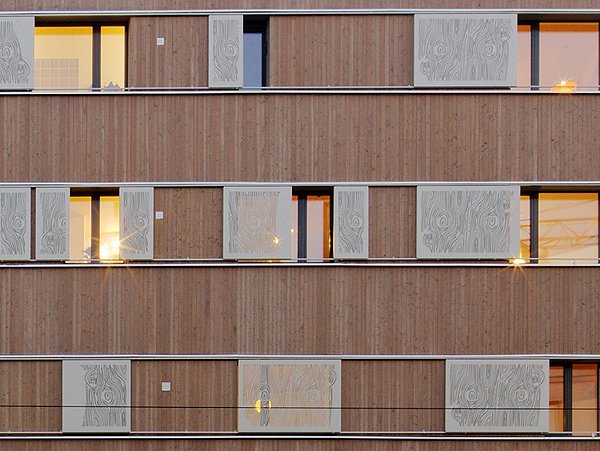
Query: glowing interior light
x=292, y=230
x=518, y=261
x=564, y=86
x=275, y=240
x=257, y=406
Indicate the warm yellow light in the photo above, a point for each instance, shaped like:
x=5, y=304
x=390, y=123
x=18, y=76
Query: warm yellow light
x=518, y=261
x=564, y=86
x=275, y=240
x=292, y=230
x=258, y=405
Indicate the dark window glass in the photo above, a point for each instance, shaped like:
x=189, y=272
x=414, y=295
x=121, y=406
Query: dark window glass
x=255, y=51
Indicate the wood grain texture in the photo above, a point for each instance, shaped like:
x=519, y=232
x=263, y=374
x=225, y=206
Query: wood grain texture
x=487, y=137
x=299, y=310
x=325, y=444
x=181, y=62
x=410, y=399
x=340, y=50
x=392, y=222
x=192, y=226
x=109, y=5
x=34, y=389
x=203, y=396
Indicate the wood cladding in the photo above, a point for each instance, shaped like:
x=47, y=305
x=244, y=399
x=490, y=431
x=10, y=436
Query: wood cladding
x=392, y=222
x=340, y=50
x=326, y=444
x=180, y=63
x=30, y=396
x=116, y=5
x=299, y=310
x=203, y=396
x=192, y=226
x=462, y=137
x=401, y=395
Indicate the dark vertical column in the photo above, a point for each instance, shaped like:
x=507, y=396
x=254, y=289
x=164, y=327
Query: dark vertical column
x=534, y=226
x=96, y=52
x=568, y=418
x=96, y=226
x=302, y=225
x=535, y=55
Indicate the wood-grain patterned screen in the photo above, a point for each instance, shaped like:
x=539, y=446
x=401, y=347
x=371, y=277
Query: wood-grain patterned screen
x=15, y=227
x=289, y=396
x=225, y=51
x=351, y=222
x=467, y=222
x=16, y=42
x=497, y=395
x=136, y=228
x=257, y=222
x=52, y=223
x=465, y=50
x=96, y=396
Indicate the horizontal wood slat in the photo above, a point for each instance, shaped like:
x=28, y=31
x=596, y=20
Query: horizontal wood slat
x=295, y=310
x=340, y=50
x=203, y=396
x=403, y=395
x=489, y=137
x=181, y=62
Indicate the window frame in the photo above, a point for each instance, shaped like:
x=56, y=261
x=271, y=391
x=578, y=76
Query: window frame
x=259, y=24
x=302, y=230
x=534, y=216
x=534, y=25
x=96, y=25
x=567, y=367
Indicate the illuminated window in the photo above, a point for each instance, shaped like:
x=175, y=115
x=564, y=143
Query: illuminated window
x=80, y=57
x=255, y=51
x=563, y=227
x=94, y=233
x=565, y=55
x=574, y=397
x=311, y=225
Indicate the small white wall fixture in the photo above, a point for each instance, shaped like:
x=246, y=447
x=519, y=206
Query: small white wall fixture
x=468, y=222
x=52, y=223
x=351, y=222
x=465, y=50
x=136, y=223
x=257, y=223
x=16, y=41
x=497, y=396
x=225, y=51
x=289, y=396
x=15, y=224
x=96, y=396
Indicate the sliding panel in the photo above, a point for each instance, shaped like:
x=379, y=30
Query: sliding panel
x=351, y=222
x=289, y=396
x=136, y=228
x=96, y=396
x=225, y=51
x=15, y=227
x=468, y=222
x=257, y=223
x=463, y=50
x=497, y=395
x=16, y=61
x=52, y=223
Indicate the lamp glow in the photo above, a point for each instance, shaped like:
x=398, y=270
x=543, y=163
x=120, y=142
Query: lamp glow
x=518, y=261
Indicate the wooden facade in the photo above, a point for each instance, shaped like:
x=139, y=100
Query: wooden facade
x=187, y=302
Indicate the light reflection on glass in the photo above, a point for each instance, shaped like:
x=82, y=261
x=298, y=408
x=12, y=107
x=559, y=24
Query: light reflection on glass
x=109, y=227
x=557, y=397
x=569, y=53
x=80, y=233
x=112, y=49
x=525, y=229
x=585, y=397
x=524, y=56
x=568, y=227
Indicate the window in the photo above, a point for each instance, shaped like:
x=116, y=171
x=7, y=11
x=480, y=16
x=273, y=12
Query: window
x=574, y=397
x=80, y=57
x=311, y=225
x=94, y=230
x=560, y=56
x=255, y=51
x=559, y=227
